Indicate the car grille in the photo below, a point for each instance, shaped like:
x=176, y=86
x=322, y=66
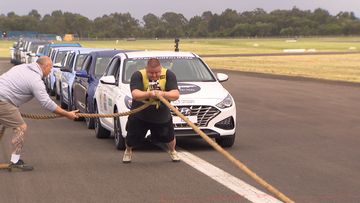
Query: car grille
x=204, y=115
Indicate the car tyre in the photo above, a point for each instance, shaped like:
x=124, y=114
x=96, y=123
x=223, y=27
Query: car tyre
x=118, y=138
x=57, y=96
x=226, y=141
x=73, y=107
x=89, y=121
x=52, y=91
x=62, y=103
x=100, y=131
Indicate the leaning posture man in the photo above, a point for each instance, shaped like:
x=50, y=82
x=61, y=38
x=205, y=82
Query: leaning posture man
x=144, y=85
x=19, y=85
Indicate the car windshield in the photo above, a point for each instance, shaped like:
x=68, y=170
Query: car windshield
x=100, y=66
x=186, y=69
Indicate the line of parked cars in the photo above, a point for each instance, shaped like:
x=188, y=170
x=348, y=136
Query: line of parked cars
x=97, y=81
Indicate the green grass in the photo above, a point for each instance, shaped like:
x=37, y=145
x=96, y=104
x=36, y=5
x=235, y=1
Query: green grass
x=331, y=67
x=225, y=46
x=5, y=48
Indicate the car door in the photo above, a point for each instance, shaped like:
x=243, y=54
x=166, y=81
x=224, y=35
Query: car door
x=81, y=85
x=65, y=76
x=107, y=91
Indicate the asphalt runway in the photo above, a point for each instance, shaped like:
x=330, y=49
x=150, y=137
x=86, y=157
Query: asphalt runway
x=300, y=135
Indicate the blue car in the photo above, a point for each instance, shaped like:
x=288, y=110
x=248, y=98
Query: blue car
x=58, y=56
x=73, y=63
x=87, y=79
x=48, y=50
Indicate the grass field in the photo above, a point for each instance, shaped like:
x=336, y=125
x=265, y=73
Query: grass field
x=331, y=67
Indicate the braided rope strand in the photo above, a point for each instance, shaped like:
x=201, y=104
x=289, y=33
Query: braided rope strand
x=85, y=115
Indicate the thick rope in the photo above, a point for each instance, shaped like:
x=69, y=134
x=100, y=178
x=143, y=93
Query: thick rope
x=85, y=115
x=242, y=166
x=217, y=147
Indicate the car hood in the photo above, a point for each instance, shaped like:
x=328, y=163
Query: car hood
x=202, y=90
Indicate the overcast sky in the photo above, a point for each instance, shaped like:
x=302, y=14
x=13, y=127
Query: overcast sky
x=189, y=8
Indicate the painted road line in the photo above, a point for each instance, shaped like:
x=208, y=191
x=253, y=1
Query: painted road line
x=235, y=184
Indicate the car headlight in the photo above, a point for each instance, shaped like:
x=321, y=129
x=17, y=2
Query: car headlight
x=225, y=103
x=128, y=101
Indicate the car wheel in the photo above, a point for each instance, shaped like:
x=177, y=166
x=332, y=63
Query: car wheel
x=73, y=107
x=57, y=96
x=89, y=121
x=70, y=101
x=62, y=103
x=52, y=91
x=47, y=86
x=118, y=138
x=226, y=141
x=100, y=131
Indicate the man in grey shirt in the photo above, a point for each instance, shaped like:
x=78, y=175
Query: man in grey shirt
x=17, y=86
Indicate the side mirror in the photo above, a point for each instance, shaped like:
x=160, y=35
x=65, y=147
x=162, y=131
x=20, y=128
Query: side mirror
x=222, y=77
x=82, y=74
x=65, y=70
x=108, y=80
x=57, y=65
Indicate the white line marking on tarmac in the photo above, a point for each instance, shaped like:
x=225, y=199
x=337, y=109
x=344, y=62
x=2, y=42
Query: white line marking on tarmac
x=240, y=187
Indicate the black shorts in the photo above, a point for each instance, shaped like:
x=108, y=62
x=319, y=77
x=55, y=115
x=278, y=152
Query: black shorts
x=137, y=129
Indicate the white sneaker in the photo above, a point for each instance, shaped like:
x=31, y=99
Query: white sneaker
x=174, y=156
x=127, y=156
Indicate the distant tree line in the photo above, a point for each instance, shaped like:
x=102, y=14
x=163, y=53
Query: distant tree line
x=230, y=23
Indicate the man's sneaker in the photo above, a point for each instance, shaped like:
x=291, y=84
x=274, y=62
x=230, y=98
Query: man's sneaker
x=127, y=156
x=174, y=156
x=20, y=166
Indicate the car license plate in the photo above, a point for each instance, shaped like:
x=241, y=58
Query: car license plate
x=178, y=120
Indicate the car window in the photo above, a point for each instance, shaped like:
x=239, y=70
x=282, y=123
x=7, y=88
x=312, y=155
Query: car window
x=79, y=61
x=60, y=56
x=116, y=71
x=53, y=55
x=132, y=66
x=100, y=66
x=70, y=60
x=87, y=63
x=186, y=69
x=115, y=63
x=33, y=48
x=40, y=49
x=191, y=70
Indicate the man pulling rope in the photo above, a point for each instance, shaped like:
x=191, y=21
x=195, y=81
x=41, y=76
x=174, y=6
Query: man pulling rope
x=19, y=85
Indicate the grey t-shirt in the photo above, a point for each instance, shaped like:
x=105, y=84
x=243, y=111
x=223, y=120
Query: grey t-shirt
x=152, y=114
x=22, y=83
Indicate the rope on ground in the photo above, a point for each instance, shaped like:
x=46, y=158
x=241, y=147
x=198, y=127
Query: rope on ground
x=217, y=147
x=85, y=115
x=242, y=166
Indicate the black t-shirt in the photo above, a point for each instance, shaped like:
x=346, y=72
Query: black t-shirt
x=152, y=114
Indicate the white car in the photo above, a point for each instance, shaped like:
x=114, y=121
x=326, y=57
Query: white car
x=202, y=98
